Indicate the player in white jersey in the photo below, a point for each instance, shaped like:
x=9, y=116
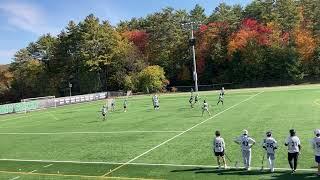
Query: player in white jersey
x=191, y=100
x=218, y=148
x=222, y=91
x=246, y=143
x=270, y=145
x=113, y=104
x=205, y=107
x=221, y=96
x=196, y=98
x=125, y=105
x=104, y=112
x=155, y=101
x=316, y=148
x=294, y=148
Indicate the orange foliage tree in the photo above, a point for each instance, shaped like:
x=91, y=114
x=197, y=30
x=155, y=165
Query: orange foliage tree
x=305, y=43
x=250, y=30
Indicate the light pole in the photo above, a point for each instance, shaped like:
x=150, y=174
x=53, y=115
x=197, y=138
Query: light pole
x=192, y=41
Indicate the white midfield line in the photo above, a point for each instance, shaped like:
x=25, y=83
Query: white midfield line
x=15, y=178
x=106, y=132
x=141, y=164
x=155, y=147
x=47, y=165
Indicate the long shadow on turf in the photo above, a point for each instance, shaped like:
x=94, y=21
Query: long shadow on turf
x=239, y=172
x=276, y=175
x=191, y=169
x=95, y=121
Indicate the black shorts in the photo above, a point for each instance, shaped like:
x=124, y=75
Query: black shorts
x=103, y=114
x=124, y=107
x=292, y=156
x=221, y=154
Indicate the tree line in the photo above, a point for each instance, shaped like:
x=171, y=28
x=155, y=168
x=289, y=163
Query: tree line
x=267, y=42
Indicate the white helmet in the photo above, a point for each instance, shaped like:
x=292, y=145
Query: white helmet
x=245, y=132
x=317, y=131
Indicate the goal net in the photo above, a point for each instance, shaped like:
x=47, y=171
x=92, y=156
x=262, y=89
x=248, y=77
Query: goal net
x=38, y=103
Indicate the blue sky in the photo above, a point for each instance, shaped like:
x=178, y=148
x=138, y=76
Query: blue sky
x=23, y=21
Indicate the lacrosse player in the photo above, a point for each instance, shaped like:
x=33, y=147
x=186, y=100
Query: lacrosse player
x=246, y=143
x=125, y=105
x=191, y=100
x=221, y=96
x=270, y=145
x=155, y=101
x=113, y=104
x=294, y=148
x=218, y=149
x=104, y=112
x=205, y=107
x=316, y=148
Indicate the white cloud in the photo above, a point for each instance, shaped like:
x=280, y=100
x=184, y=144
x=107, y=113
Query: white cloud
x=26, y=17
x=6, y=55
x=9, y=52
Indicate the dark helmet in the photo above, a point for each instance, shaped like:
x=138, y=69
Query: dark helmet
x=292, y=132
x=268, y=133
x=217, y=133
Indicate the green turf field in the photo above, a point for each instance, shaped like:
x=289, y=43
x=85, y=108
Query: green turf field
x=73, y=142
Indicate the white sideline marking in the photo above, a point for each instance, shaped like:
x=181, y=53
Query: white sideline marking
x=34, y=171
x=142, y=164
x=15, y=178
x=47, y=165
x=155, y=147
x=107, y=132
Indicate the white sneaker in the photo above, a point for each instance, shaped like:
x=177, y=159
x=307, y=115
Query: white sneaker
x=272, y=170
x=226, y=167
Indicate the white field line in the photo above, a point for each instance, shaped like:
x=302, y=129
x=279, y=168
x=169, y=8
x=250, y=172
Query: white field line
x=144, y=164
x=107, y=132
x=47, y=165
x=168, y=140
x=15, y=178
x=34, y=171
